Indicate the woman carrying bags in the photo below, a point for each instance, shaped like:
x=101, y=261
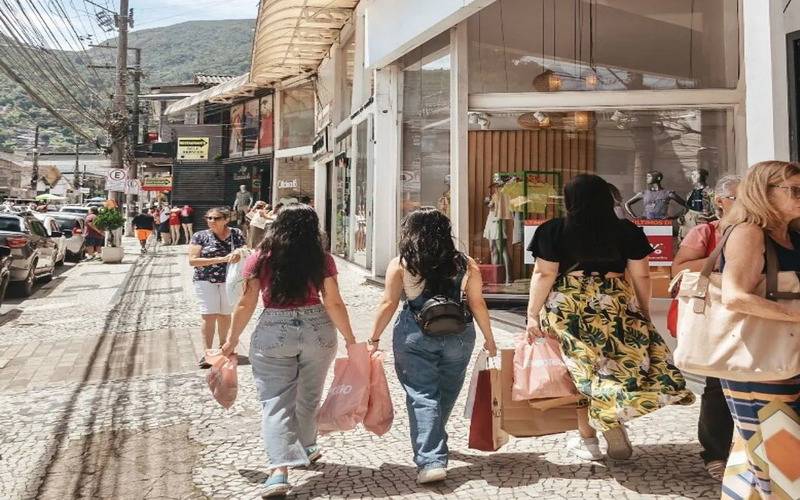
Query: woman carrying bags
x=430, y=368
x=579, y=293
x=294, y=341
x=715, y=425
x=766, y=414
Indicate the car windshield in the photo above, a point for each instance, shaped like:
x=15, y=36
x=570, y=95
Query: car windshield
x=75, y=210
x=67, y=224
x=9, y=224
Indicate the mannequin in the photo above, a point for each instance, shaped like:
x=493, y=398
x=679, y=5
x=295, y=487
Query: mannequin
x=656, y=200
x=495, y=229
x=700, y=202
x=242, y=204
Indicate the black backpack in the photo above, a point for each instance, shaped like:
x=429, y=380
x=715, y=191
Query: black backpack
x=444, y=315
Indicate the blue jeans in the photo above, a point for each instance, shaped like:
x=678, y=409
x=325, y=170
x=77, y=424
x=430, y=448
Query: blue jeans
x=290, y=352
x=431, y=371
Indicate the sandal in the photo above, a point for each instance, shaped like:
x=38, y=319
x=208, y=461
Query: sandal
x=203, y=364
x=619, y=446
x=277, y=485
x=716, y=469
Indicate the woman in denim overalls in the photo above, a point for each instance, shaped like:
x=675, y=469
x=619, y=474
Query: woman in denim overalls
x=430, y=369
x=294, y=343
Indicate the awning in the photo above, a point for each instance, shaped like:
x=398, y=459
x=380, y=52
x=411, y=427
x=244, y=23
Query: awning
x=293, y=36
x=238, y=87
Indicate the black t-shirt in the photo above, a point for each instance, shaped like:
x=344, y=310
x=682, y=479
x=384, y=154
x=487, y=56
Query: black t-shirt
x=548, y=244
x=143, y=221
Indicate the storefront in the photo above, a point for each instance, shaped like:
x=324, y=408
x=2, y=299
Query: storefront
x=250, y=148
x=499, y=112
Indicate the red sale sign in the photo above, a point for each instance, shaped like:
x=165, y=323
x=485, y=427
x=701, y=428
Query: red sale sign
x=659, y=234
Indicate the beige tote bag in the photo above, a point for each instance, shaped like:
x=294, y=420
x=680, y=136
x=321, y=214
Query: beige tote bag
x=716, y=342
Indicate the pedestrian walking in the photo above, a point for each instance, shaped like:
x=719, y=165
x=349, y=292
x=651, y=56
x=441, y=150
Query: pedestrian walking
x=715, y=425
x=579, y=293
x=175, y=225
x=294, y=342
x=163, y=226
x=94, y=238
x=430, y=368
x=143, y=224
x=187, y=222
x=258, y=218
x=766, y=414
x=210, y=251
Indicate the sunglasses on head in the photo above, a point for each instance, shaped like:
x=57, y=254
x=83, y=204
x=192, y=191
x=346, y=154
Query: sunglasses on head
x=793, y=190
x=214, y=217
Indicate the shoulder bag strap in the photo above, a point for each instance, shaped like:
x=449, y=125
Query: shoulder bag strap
x=713, y=257
x=773, y=268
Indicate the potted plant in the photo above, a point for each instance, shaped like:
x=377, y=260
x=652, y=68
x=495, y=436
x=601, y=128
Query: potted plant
x=111, y=221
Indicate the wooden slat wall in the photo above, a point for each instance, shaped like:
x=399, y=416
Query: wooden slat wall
x=491, y=151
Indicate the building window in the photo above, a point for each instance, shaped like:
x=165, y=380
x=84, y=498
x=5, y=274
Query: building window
x=426, y=126
x=580, y=45
x=297, y=117
x=362, y=224
x=348, y=64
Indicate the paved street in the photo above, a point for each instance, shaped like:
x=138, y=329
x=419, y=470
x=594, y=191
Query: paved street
x=101, y=398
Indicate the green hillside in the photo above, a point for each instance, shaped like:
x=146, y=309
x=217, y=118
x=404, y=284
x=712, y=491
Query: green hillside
x=170, y=54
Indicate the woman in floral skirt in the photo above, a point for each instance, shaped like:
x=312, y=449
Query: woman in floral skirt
x=580, y=294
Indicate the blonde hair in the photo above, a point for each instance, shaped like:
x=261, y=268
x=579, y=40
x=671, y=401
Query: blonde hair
x=753, y=204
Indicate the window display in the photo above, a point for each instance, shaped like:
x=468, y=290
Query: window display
x=343, y=187
x=363, y=198
x=656, y=200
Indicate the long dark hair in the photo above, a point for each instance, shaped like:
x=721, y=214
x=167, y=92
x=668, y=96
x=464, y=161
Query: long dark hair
x=428, y=252
x=295, y=254
x=591, y=228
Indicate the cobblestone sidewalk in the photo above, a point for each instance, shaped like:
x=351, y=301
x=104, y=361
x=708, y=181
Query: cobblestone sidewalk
x=101, y=399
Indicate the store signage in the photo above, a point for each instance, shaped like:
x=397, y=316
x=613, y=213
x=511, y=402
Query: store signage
x=193, y=148
x=242, y=174
x=659, y=234
x=157, y=184
x=531, y=226
x=320, y=146
x=292, y=184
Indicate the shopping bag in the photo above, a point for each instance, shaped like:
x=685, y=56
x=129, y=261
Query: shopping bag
x=539, y=371
x=521, y=419
x=485, y=433
x=235, y=278
x=222, y=379
x=480, y=364
x=380, y=412
x=347, y=401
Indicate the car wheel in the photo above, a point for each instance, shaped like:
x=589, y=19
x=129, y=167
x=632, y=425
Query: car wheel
x=63, y=258
x=25, y=288
x=4, y=288
x=47, y=278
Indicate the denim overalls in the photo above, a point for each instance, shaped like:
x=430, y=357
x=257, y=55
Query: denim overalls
x=431, y=371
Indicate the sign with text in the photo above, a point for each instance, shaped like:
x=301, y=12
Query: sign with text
x=193, y=148
x=659, y=234
x=531, y=226
x=157, y=184
x=116, y=180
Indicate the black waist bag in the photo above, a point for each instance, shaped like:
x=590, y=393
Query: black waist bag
x=443, y=315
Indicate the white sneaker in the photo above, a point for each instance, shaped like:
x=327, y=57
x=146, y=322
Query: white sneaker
x=432, y=475
x=585, y=448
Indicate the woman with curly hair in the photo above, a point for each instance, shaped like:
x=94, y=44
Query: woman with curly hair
x=431, y=369
x=580, y=294
x=294, y=341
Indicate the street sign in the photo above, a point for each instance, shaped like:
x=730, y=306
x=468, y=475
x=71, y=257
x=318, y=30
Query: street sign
x=117, y=174
x=85, y=190
x=132, y=186
x=193, y=148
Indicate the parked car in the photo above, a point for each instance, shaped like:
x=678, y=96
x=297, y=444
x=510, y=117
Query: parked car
x=73, y=227
x=33, y=252
x=52, y=226
x=75, y=209
x=5, y=271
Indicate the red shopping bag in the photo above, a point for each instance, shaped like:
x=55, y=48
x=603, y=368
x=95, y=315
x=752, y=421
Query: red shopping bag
x=348, y=398
x=380, y=412
x=539, y=371
x=222, y=379
x=485, y=433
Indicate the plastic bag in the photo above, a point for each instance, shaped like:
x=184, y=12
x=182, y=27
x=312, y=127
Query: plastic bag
x=539, y=371
x=348, y=398
x=235, y=279
x=380, y=412
x=479, y=366
x=223, y=380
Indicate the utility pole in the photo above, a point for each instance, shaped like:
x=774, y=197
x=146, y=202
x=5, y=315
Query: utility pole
x=133, y=170
x=77, y=173
x=119, y=126
x=35, y=172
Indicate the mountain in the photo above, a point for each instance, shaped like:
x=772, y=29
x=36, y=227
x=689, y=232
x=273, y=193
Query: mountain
x=170, y=54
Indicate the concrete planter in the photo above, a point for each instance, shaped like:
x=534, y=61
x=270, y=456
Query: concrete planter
x=112, y=255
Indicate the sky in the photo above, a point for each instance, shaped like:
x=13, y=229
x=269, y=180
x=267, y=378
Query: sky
x=155, y=13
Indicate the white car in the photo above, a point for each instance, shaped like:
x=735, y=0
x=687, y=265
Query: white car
x=75, y=209
x=54, y=227
x=72, y=226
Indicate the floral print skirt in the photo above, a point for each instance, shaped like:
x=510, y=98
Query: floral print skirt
x=616, y=357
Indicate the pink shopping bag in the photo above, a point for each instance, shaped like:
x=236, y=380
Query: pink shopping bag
x=539, y=371
x=222, y=379
x=348, y=398
x=380, y=412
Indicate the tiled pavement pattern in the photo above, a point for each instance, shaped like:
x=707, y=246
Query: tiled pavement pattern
x=100, y=398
